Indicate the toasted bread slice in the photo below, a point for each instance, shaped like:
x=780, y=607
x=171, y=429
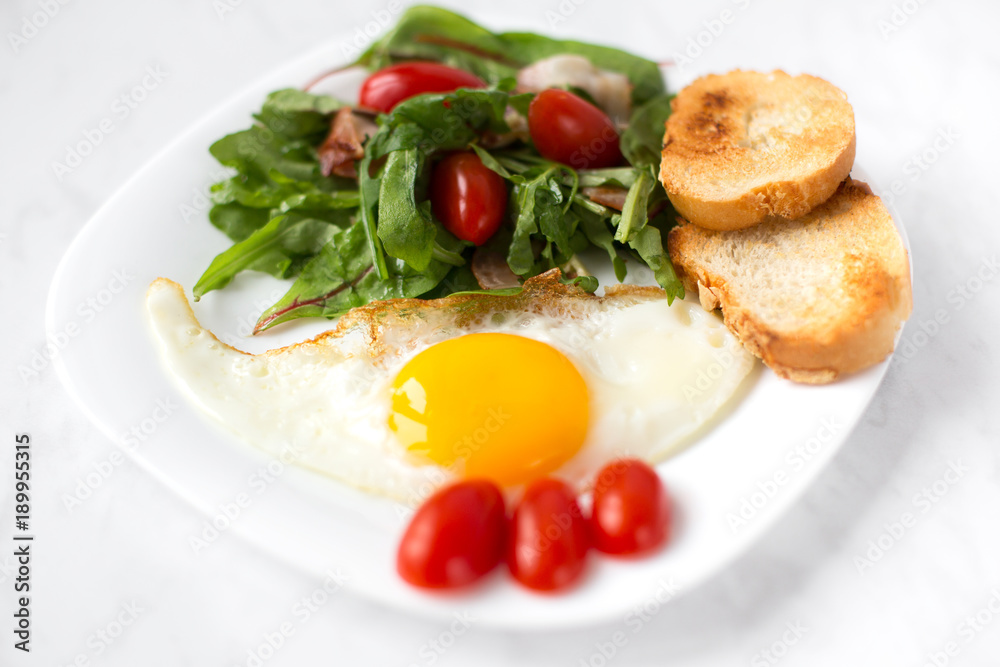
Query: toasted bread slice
x=814, y=298
x=745, y=146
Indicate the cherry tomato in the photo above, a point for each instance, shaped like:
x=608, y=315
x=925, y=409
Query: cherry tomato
x=456, y=536
x=389, y=86
x=568, y=129
x=631, y=512
x=469, y=198
x=548, y=540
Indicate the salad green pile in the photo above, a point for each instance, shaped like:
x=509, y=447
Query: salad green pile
x=351, y=241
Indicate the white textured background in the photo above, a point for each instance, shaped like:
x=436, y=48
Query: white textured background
x=923, y=78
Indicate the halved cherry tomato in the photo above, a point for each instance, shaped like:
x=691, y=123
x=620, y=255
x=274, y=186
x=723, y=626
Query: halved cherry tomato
x=568, y=129
x=631, y=512
x=467, y=197
x=456, y=536
x=389, y=86
x=548, y=541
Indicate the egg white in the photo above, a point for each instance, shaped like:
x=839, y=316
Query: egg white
x=654, y=372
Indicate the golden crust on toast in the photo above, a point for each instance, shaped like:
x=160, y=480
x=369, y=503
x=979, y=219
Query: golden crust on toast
x=746, y=146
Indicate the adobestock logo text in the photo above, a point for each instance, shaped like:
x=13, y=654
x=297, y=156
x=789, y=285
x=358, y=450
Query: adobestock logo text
x=121, y=108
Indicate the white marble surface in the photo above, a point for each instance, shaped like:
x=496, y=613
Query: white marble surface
x=923, y=79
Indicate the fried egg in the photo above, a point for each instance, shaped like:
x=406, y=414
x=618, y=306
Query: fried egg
x=404, y=395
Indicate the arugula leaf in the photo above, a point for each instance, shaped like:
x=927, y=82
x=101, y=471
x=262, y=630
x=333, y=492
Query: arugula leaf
x=249, y=191
x=552, y=221
x=258, y=152
x=271, y=249
x=368, y=188
x=404, y=227
x=459, y=279
x=279, y=193
x=440, y=122
x=442, y=254
x=520, y=256
x=327, y=280
x=586, y=283
x=633, y=217
x=621, y=176
x=521, y=102
x=540, y=209
x=247, y=201
x=596, y=229
x=342, y=277
x=649, y=244
x=238, y=221
x=642, y=142
x=491, y=162
x=298, y=114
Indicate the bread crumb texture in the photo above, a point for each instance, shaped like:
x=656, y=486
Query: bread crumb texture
x=816, y=297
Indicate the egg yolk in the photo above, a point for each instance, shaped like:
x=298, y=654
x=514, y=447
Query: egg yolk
x=491, y=405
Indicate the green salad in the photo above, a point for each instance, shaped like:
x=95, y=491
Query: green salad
x=355, y=202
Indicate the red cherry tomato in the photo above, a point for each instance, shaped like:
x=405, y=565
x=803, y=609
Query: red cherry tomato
x=467, y=197
x=631, y=512
x=389, y=86
x=568, y=129
x=456, y=536
x=548, y=542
